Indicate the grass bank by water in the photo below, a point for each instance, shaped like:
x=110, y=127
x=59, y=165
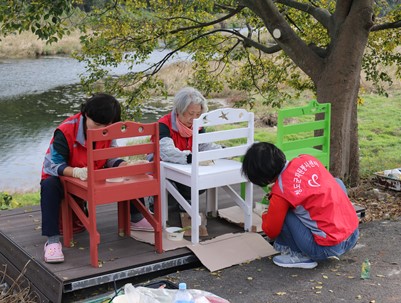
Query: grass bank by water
x=27, y=45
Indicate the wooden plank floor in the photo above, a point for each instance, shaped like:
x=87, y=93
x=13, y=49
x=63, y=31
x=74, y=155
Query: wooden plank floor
x=21, y=247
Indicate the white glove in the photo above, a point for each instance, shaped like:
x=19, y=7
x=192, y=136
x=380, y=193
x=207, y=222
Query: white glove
x=260, y=208
x=80, y=172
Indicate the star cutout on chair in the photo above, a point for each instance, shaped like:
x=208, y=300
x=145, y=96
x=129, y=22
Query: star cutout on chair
x=223, y=116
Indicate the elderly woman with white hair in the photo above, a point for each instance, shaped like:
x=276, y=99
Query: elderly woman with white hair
x=175, y=130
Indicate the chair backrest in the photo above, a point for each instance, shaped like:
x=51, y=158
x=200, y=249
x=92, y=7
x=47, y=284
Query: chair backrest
x=305, y=130
x=240, y=130
x=138, y=145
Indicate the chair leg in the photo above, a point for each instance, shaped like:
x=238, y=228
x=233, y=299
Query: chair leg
x=94, y=252
x=123, y=210
x=94, y=237
x=249, y=205
x=211, y=201
x=158, y=228
x=195, y=218
x=163, y=198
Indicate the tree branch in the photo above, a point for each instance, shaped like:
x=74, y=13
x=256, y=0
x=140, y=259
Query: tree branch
x=200, y=25
x=384, y=26
x=249, y=42
x=286, y=38
x=342, y=10
x=320, y=14
x=157, y=66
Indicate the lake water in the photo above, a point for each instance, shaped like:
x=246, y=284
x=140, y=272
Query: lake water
x=35, y=96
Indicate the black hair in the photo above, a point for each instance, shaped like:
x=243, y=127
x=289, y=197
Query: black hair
x=262, y=163
x=102, y=109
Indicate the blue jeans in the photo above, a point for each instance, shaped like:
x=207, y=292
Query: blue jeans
x=298, y=238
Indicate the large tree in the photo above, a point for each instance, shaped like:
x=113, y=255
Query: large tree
x=276, y=47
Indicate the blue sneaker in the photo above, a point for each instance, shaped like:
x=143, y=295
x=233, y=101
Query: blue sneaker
x=294, y=260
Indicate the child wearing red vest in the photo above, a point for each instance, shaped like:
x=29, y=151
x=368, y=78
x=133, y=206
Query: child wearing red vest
x=310, y=216
x=67, y=156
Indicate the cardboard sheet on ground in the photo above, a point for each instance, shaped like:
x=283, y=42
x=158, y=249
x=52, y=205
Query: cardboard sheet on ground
x=149, y=237
x=231, y=249
x=235, y=215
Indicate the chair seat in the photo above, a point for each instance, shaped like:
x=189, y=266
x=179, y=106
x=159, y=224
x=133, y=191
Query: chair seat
x=107, y=192
x=222, y=172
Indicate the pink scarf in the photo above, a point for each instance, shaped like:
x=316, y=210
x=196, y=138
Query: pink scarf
x=184, y=131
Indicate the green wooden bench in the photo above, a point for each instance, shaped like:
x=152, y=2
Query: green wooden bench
x=300, y=131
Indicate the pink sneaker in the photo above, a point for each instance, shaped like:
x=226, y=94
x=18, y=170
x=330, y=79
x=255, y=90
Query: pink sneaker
x=53, y=253
x=142, y=225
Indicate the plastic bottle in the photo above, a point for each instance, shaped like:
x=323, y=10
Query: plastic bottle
x=183, y=295
x=365, y=271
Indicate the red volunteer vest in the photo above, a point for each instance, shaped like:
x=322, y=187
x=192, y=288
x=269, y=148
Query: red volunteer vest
x=180, y=142
x=318, y=200
x=78, y=152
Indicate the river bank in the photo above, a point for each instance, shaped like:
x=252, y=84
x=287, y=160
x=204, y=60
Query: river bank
x=27, y=45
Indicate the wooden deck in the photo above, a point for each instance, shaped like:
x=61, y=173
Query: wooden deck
x=21, y=250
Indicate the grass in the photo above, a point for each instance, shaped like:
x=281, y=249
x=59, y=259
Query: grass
x=26, y=199
x=379, y=133
x=15, y=200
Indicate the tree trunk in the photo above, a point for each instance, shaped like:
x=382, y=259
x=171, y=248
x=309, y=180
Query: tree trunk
x=339, y=85
x=335, y=71
x=344, y=155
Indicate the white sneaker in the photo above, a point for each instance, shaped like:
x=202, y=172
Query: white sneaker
x=294, y=261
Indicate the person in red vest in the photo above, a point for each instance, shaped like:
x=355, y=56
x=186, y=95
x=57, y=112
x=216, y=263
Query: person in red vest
x=67, y=156
x=309, y=217
x=175, y=131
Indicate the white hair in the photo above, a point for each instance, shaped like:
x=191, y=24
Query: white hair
x=186, y=96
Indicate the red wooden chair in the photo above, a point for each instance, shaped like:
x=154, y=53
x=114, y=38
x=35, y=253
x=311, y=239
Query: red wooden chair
x=139, y=180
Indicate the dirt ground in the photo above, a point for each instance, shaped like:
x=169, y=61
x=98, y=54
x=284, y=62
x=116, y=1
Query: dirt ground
x=334, y=281
x=380, y=203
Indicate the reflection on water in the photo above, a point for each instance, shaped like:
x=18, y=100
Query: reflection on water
x=27, y=124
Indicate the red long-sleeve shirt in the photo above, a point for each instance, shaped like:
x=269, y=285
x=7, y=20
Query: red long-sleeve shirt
x=273, y=219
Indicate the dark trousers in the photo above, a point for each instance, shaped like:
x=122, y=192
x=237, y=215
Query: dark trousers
x=51, y=195
x=184, y=190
